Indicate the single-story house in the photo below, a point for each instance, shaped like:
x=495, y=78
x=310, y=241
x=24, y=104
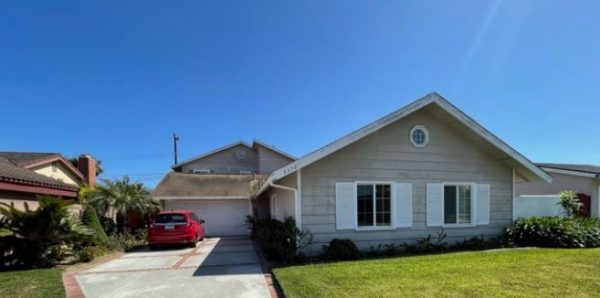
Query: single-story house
x=583, y=179
x=25, y=175
x=425, y=167
x=219, y=185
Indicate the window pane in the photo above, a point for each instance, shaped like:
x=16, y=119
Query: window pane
x=418, y=136
x=167, y=218
x=383, y=197
x=365, y=205
x=464, y=204
x=450, y=204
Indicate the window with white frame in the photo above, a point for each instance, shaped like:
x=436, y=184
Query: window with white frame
x=374, y=205
x=457, y=204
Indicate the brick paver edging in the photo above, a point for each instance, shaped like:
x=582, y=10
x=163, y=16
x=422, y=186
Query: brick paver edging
x=272, y=284
x=72, y=289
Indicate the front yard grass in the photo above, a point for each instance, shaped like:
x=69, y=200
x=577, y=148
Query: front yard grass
x=511, y=272
x=32, y=283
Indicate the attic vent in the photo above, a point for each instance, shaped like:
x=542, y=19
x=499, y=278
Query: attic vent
x=201, y=171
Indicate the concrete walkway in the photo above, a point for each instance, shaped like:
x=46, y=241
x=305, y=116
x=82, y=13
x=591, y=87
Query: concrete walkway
x=217, y=267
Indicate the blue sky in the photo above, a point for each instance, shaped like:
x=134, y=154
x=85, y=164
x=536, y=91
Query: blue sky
x=117, y=78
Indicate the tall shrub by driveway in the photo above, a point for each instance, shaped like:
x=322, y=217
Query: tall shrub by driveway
x=90, y=218
x=280, y=240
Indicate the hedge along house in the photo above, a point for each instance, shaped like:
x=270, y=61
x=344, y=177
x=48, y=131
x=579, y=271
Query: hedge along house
x=425, y=167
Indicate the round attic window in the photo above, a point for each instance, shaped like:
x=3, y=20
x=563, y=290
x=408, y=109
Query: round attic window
x=240, y=153
x=419, y=136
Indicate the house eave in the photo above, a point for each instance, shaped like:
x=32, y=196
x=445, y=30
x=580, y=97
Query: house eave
x=432, y=98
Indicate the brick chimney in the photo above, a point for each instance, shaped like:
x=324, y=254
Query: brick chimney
x=87, y=166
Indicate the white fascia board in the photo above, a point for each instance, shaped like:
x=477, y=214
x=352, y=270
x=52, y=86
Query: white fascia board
x=353, y=137
x=570, y=172
x=210, y=153
x=399, y=114
x=490, y=137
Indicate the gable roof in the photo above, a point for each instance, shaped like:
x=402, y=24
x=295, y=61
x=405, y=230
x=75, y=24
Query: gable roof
x=242, y=143
x=9, y=172
x=28, y=160
x=526, y=168
x=592, y=170
x=181, y=186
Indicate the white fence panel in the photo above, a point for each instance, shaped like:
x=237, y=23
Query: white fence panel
x=536, y=205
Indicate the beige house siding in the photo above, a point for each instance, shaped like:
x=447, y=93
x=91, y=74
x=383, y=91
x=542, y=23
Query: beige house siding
x=388, y=155
x=279, y=203
x=269, y=160
x=19, y=199
x=58, y=171
x=562, y=182
x=225, y=162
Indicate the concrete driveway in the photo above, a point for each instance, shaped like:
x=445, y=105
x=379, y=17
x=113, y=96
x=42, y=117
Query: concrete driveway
x=217, y=267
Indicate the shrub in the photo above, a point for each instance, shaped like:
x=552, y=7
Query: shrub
x=570, y=203
x=126, y=241
x=279, y=240
x=88, y=253
x=37, y=238
x=341, y=249
x=475, y=243
x=554, y=231
x=90, y=218
x=108, y=225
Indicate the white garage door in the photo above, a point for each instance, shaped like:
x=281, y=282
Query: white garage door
x=223, y=217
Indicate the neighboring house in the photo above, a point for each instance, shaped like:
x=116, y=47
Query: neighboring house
x=423, y=168
x=25, y=175
x=583, y=179
x=218, y=185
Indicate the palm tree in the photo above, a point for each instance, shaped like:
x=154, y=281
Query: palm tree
x=122, y=197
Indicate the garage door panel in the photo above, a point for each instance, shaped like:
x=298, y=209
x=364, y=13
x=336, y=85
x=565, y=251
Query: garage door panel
x=223, y=217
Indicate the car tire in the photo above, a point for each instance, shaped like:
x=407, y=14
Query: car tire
x=152, y=247
x=193, y=243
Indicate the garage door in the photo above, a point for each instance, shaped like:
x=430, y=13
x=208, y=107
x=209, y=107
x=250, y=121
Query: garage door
x=223, y=217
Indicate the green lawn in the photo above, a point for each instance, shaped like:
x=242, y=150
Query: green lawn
x=32, y=283
x=516, y=272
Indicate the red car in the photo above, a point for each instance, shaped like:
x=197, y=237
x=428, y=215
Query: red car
x=175, y=227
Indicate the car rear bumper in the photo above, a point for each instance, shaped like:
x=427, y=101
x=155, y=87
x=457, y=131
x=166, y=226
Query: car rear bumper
x=176, y=239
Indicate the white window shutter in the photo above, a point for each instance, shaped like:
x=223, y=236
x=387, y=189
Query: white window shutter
x=403, y=205
x=435, y=204
x=482, y=204
x=345, y=205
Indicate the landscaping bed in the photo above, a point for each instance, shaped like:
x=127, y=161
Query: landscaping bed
x=46, y=283
x=505, y=272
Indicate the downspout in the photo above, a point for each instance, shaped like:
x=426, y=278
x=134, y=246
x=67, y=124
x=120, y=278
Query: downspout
x=295, y=191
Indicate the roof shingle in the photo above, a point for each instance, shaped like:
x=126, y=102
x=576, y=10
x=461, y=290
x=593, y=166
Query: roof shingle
x=23, y=159
x=200, y=185
x=10, y=172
